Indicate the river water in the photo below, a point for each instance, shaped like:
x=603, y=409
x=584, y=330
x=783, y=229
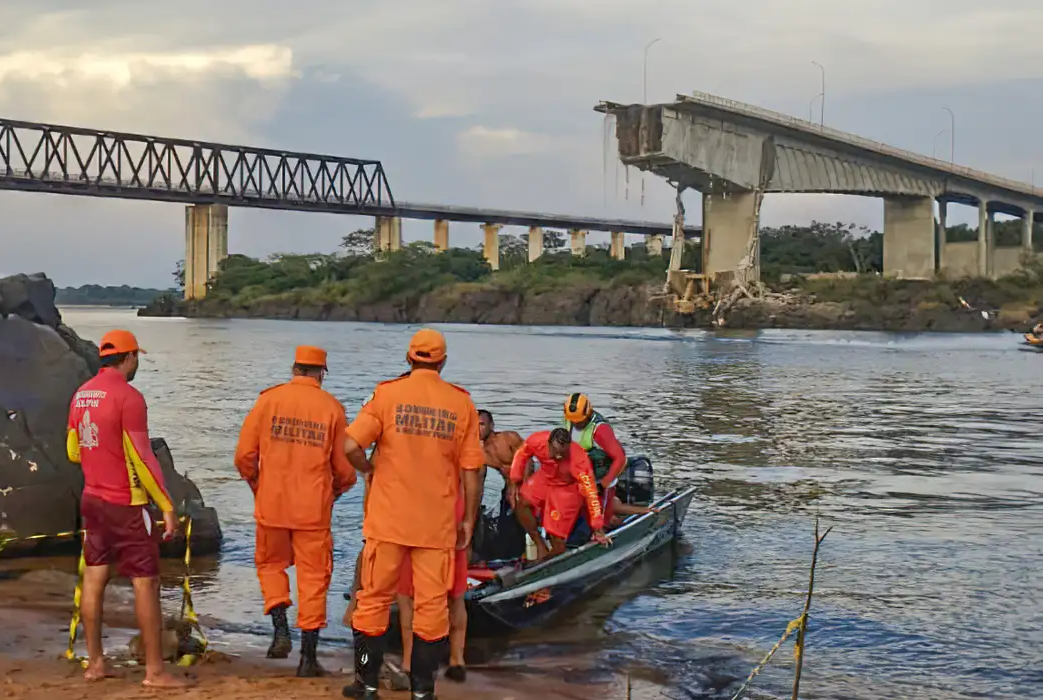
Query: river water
x=922, y=451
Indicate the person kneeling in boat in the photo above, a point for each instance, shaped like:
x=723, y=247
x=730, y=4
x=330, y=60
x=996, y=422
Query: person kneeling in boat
x=556, y=492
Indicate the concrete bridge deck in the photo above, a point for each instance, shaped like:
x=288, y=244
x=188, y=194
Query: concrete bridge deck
x=730, y=150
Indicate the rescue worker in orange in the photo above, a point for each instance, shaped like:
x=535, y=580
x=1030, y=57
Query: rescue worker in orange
x=108, y=436
x=291, y=453
x=426, y=433
x=456, y=671
x=556, y=492
x=499, y=449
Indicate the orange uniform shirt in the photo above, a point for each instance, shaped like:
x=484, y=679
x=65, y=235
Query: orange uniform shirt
x=291, y=451
x=573, y=472
x=426, y=431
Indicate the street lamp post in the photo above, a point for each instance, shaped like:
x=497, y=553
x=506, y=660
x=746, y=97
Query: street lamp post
x=952, y=137
x=644, y=92
x=934, y=150
x=644, y=101
x=822, y=112
x=811, y=105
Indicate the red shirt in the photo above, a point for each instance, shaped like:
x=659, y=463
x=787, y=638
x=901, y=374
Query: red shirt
x=605, y=438
x=108, y=437
x=575, y=471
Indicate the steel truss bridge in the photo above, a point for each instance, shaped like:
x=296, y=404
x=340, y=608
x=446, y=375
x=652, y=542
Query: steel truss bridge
x=72, y=160
x=87, y=162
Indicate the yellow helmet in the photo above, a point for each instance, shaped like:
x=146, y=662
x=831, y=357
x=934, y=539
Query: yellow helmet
x=578, y=408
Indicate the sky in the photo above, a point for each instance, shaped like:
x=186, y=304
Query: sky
x=482, y=103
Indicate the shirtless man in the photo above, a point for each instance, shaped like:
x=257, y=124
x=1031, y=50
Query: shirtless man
x=499, y=447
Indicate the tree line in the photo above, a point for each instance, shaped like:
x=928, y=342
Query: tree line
x=357, y=270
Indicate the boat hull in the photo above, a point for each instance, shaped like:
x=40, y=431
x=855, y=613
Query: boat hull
x=521, y=599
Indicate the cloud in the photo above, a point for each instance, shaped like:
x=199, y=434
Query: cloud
x=481, y=141
x=485, y=104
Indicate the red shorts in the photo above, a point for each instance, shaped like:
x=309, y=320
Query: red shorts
x=459, y=586
x=558, y=506
x=126, y=536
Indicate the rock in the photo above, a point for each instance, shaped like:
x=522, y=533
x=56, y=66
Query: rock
x=42, y=364
x=176, y=638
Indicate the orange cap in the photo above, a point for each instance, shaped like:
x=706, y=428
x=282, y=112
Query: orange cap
x=118, y=341
x=310, y=356
x=427, y=345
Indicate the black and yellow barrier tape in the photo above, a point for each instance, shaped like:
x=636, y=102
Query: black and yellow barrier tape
x=188, y=613
x=792, y=627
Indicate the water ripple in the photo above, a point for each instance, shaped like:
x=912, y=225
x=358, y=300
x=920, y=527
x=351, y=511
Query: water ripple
x=922, y=450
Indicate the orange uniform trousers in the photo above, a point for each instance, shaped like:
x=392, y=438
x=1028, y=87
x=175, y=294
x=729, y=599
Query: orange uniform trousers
x=381, y=570
x=311, y=551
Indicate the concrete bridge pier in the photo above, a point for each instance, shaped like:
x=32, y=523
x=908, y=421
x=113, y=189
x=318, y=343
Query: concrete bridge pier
x=984, y=238
x=535, y=243
x=1028, y=221
x=388, y=233
x=206, y=245
x=442, y=234
x=943, y=214
x=909, y=237
x=618, y=248
x=578, y=242
x=491, y=246
x=729, y=221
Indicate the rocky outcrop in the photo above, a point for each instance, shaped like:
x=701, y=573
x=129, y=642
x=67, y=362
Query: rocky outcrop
x=42, y=363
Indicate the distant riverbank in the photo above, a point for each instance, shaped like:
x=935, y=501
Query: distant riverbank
x=97, y=295
x=418, y=285
x=871, y=303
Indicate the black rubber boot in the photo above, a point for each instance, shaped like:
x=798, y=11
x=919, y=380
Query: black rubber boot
x=309, y=666
x=369, y=660
x=456, y=673
x=282, y=645
x=423, y=667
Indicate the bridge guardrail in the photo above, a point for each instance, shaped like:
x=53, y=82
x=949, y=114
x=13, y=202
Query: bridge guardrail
x=882, y=148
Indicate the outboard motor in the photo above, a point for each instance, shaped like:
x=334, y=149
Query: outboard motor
x=636, y=485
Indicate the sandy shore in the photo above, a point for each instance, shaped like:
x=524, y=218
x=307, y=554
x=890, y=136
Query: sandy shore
x=35, y=608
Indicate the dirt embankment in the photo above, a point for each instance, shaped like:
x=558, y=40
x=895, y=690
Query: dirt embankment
x=35, y=608
x=605, y=304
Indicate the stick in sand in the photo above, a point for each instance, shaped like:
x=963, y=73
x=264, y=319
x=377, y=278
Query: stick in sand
x=799, y=650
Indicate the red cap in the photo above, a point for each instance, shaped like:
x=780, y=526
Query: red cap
x=310, y=356
x=117, y=342
x=427, y=345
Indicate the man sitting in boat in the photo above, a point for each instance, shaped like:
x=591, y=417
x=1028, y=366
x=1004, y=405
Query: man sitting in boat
x=593, y=433
x=556, y=492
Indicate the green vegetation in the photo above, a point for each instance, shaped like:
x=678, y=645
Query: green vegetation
x=355, y=276
x=96, y=295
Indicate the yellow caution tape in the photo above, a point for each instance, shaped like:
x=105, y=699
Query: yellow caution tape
x=792, y=627
x=188, y=612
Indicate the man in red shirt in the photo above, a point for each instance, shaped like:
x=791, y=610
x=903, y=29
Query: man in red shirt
x=108, y=437
x=556, y=492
